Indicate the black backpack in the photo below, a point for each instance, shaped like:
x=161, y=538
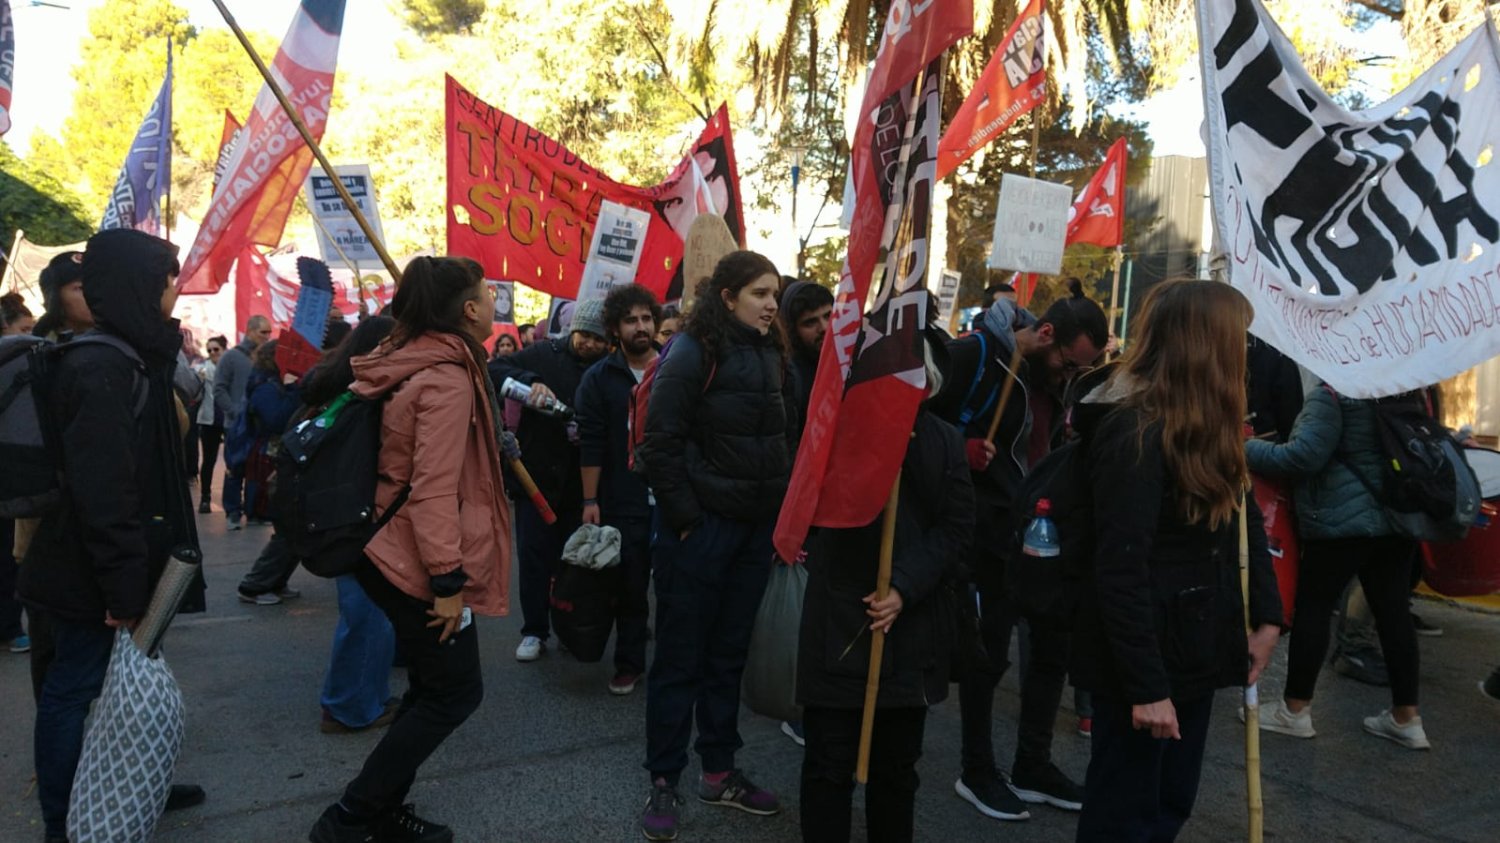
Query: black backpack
x=1430, y=493
x=324, y=498
x=31, y=481
x=1043, y=586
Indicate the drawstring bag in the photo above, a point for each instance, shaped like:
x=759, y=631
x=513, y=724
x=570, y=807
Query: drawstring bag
x=129, y=752
x=586, y=591
x=769, y=686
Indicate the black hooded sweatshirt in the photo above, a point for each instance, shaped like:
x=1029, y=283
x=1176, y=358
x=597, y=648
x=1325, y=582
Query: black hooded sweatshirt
x=126, y=504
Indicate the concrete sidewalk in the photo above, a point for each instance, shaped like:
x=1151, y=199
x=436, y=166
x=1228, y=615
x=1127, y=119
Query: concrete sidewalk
x=551, y=756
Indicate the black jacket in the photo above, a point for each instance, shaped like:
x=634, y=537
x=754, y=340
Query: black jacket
x=935, y=520
x=1160, y=614
x=995, y=487
x=546, y=449
x=126, y=504
x=604, y=399
x=719, y=444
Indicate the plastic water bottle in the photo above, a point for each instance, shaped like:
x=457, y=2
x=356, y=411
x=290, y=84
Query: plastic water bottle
x=1041, y=534
x=517, y=391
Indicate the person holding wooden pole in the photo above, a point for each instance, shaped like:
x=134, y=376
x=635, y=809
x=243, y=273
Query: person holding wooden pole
x=1162, y=615
x=846, y=618
x=989, y=396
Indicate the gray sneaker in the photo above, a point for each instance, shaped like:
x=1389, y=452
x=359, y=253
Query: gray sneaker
x=262, y=599
x=659, y=820
x=1409, y=734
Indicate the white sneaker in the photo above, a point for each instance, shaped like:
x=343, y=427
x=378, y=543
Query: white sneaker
x=1410, y=734
x=530, y=649
x=1276, y=717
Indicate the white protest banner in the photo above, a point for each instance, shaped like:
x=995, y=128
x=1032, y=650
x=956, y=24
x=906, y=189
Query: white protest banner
x=947, y=295
x=338, y=222
x=1031, y=225
x=1367, y=241
x=615, y=252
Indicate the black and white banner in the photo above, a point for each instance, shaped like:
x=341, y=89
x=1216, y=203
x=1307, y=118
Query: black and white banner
x=1367, y=241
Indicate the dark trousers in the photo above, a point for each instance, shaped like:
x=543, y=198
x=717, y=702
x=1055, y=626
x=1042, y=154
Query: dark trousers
x=272, y=569
x=708, y=588
x=72, y=682
x=633, y=610
x=1383, y=566
x=1041, y=690
x=190, y=450
x=444, y=687
x=540, y=546
x=1141, y=789
x=209, y=436
x=828, y=773
x=10, y=607
x=42, y=651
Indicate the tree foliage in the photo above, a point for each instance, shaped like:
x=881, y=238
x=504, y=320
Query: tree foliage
x=441, y=17
x=33, y=201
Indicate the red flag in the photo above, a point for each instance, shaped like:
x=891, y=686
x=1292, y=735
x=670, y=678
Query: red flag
x=1013, y=83
x=1098, y=215
x=227, y=139
x=270, y=162
x=252, y=287
x=524, y=206
x=870, y=377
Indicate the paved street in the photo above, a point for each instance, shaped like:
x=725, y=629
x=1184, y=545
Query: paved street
x=551, y=756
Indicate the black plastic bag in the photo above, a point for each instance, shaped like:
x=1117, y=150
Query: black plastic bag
x=769, y=686
x=583, y=609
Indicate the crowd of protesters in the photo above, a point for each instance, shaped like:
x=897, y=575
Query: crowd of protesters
x=1154, y=620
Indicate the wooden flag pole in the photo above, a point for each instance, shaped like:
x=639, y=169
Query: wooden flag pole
x=1114, y=288
x=1252, y=701
x=317, y=151
x=877, y=638
x=1010, y=383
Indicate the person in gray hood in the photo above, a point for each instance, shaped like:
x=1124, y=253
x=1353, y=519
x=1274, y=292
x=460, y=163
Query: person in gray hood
x=230, y=379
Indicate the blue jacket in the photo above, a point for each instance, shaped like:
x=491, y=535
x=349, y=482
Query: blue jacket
x=1332, y=438
x=603, y=414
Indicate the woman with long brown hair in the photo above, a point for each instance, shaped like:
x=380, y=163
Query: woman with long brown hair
x=1161, y=623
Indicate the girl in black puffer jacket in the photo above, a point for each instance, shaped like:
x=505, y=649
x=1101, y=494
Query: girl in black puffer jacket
x=718, y=457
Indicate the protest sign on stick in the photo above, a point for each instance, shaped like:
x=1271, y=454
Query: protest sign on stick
x=1031, y=221
x=339, y=233
x=615, y=253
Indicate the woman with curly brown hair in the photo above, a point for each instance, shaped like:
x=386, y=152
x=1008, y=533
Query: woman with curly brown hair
x=718, y=456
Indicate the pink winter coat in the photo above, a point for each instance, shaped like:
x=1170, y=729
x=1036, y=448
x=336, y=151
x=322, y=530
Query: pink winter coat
x=438, y=435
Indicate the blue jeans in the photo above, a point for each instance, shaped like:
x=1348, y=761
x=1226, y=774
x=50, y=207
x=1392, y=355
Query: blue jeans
x=708, y=589
x=234, y=492
x=1141, y=789
x=72, y=683
x=358, y=681
x=540, y=546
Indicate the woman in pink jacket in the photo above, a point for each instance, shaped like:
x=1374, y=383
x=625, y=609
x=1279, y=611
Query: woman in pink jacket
x=445, y=554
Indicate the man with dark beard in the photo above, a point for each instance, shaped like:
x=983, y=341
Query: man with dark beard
x=805, y=311
x=613, y=495
x=1011, y=344
x=553, y=369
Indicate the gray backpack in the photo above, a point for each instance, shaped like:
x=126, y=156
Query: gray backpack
x=31, y=484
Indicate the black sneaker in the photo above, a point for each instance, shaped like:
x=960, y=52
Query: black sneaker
x=1047, y=785
x=989, y=793
x=402, y=825
x=1490, y=687
x=1363, y=666
x=185, y=796
x=331, y=828
x=659, y=820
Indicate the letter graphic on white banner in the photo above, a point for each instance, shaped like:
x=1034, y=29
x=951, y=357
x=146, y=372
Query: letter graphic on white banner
x=1031, y=225
x=1366, y=240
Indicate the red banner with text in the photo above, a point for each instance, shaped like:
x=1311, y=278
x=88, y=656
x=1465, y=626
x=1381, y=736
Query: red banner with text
x=524, y=206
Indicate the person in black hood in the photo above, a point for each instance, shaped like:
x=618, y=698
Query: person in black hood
x=806, y=309
x=94, y=560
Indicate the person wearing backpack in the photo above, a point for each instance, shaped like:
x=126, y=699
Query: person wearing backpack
x=1160, y=624
x=614, y=495
x=1336, y=460
x=553, y=368
x=231, y=377
x=935, y=520
x=445, y=554
x=94, y=559
x=271, y=399
x=1069, y=337
x=717, y=456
